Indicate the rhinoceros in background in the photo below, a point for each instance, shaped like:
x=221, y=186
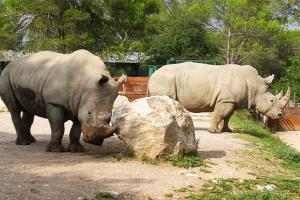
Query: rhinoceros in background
x=221, y=89
x=60, y=87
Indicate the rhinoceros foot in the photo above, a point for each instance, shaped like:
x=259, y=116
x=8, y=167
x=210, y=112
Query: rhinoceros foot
x=25, y=140
x=55, y=147
x=227, y=130
x=216, y=131
x=75, y=148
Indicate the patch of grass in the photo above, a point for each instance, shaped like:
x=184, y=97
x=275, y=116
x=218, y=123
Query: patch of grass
x=103, y=195
x=255, y=133
x=234, y=189
x=204, y=170
x=169, y=195
x=128, y=151
x=183, y=189
x=186, y=161
x=35, y=191
x=145, y=158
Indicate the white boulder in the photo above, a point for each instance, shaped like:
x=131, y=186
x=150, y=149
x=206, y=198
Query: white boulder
x=157, y=126
x=120, y=100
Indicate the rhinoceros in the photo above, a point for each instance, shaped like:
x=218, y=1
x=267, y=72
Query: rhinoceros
x=60, y=87
x=221, y=89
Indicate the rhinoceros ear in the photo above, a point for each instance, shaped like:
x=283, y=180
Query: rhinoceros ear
x=269, y=79
x=122, y=79
x=103, y=79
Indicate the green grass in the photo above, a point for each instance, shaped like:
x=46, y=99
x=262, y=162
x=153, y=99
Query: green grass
x=287, y=185
x=255, y=133
x=234, y=189
x=186, y=161
x=146, y=159
x=35, y=191
x=128, y=151
x=103, y=195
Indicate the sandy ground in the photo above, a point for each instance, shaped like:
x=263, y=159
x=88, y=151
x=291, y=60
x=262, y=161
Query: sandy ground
x=28, y=172
x=291, y=138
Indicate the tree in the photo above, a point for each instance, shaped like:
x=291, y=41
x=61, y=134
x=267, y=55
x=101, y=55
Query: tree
x=178, y=31
x=7, y=36
x=67, y=25
x=290, y=79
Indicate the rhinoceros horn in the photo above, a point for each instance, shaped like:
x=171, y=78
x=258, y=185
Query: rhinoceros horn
x=284, y=100
x=279, y=95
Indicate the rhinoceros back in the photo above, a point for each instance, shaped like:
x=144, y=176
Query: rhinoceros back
x=49, y=77
x=199, y=86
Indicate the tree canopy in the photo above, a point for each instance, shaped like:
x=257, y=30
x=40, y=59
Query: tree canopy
x=261, y=33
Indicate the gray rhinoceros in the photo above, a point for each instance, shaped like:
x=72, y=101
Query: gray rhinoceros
x=60, y=87
x=221, y=89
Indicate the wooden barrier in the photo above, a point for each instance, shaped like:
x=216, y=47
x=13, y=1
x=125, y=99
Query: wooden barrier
x=290, y=121
x=135, y=87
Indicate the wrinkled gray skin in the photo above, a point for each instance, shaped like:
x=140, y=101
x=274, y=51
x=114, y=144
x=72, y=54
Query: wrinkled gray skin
x=60, y=87
x=221, y=89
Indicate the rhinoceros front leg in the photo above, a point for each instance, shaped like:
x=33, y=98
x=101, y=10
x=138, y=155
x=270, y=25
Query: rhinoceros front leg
x=56, y=117
x=221, y=111
x=224, y=125
x=74, y=135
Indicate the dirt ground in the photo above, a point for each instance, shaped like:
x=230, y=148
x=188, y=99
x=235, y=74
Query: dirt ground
x=291, y=138
x=28, y=172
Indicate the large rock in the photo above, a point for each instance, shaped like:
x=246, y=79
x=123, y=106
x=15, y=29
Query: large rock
x=157, y=126
x=120, y=100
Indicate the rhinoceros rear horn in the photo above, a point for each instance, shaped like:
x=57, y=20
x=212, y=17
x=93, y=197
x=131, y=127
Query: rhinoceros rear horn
x=122, y=79
x=103, y=79
x=284, y=101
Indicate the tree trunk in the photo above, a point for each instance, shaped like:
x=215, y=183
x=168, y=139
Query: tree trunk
x=228, y=60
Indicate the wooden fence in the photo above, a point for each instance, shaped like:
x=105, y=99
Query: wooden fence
x=136, y=87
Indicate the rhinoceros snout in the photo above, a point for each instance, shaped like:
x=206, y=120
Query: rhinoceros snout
x=96, y=135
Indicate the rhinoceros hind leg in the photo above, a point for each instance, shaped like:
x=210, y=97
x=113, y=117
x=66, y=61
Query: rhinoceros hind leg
x=222, y=111
x=75, y=145
x=27, y=119
x=56, y=117
x=22, y=136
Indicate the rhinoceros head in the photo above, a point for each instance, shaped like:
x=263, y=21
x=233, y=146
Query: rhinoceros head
x=271, y=105
x=95, y=109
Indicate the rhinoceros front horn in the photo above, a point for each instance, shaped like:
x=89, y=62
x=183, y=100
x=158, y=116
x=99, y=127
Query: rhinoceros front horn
x=284, y=100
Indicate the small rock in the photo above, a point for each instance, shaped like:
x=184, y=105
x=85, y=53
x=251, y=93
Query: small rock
x=214, y=181
x=114, y=194
x=269, y=187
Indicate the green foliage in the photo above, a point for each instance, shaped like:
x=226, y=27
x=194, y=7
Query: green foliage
x=187, y=161
x=290, y=157
x=178, y=34
x=291, y=78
